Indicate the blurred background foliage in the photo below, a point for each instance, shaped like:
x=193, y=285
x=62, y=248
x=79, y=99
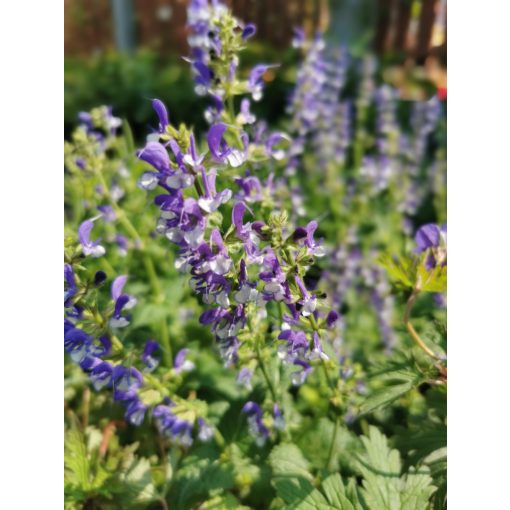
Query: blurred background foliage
x=126, y=52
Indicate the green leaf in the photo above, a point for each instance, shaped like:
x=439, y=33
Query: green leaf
x=400, y=270
x=334, y=489
x=76, y=462
x=383, y=486
x=200, y=473
x=287, y=460
x=394, y=381
x=433, y=280
x=223, y=502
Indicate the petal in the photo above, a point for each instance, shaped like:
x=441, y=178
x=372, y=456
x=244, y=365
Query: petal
x=156, y=155
x=118, y=285
x=214, y=137
x=161, y=111
x=84, y=232
x=238, y=215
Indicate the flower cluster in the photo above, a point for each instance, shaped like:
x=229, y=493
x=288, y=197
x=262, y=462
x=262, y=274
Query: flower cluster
x=90, y=341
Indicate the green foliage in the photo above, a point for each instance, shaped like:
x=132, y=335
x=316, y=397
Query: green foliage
x=119, y=477
x=384, y=487
x=390, y=382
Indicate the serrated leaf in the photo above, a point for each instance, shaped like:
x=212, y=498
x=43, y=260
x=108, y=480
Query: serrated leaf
x=334, y=490
x=434, y=280
x=76, y=462
x=395, y=381
x=287, y=460
x=383, y=486
x=400, y=270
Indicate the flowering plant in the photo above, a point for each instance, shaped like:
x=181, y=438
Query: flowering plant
x=237, y=314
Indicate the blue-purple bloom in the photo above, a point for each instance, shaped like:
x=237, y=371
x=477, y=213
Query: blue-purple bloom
x=89, y=247
x=181, y=364
x=255, y=424
x=148, y=358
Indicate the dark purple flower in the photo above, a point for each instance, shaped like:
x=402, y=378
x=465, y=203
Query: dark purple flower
x=332, y=317
x=160, y=109
x=135, y=412
x=299, y=377
x=99, y=278
x=122, y=301
x=101, y=375
x=249, y=30
x=256, y=426
x=148, y=358
x=70, y=289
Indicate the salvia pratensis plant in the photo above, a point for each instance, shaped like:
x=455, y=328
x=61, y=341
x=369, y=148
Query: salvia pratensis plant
x=216, y=220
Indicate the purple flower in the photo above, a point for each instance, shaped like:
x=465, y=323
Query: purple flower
x=249, y=30
x=278, y=419
x=89, y=247
x=160, y=109
x=317, y=352
x=212, y=200
x=221, y=151
x=275, y=285
x=255, y=424
x=181, y=364
x=299, y=377
x=431, y=238
x=309, y=302
x=305, y=236
x=151, y=362
x=107, y=213
x=122, y=244
x=101, y=375
x=76, y=342
x=245, y=116
x=205, y=431
x=135, y=412
x=244, y=377
x=126, y=382
x=332, y=317
x=70, y=289
x=122, y=301
x=274, y=145
x=156, y=155
x=297, y=345
x=255, y=81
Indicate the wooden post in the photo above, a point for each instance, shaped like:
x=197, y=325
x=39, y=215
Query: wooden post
x=427, y=16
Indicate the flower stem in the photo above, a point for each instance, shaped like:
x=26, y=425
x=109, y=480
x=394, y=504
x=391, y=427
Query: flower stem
x=410, y=327
x=149, y=267
x=266, y=375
